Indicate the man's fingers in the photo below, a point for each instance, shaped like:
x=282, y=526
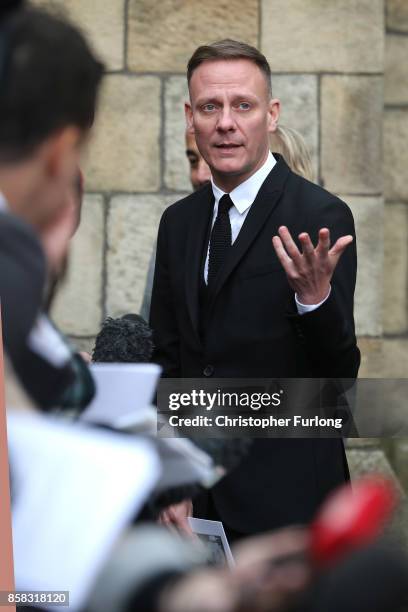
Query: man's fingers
x=289, y=244
x=340, y=246
x=307, y=246
x=323, y=244
x=280, y=252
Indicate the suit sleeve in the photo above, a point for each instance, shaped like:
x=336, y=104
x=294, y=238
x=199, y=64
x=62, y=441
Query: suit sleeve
x=328, y=332
x=163, y=315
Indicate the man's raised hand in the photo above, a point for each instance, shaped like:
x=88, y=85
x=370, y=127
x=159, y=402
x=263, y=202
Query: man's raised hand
x=309, y=271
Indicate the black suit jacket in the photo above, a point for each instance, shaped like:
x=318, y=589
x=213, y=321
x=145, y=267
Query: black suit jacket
x=23, y=278
x=252, y=330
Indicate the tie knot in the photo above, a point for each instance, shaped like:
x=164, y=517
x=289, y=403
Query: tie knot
x=225, y=204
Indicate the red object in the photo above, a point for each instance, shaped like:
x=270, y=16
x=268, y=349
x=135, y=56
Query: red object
x=353, y=516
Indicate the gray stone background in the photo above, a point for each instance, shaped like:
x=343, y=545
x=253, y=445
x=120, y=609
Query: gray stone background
x=340, y=69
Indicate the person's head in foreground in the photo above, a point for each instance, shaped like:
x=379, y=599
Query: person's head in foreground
x=49, y=80
x=44, y=63
x=125, y=339
x=231, y=110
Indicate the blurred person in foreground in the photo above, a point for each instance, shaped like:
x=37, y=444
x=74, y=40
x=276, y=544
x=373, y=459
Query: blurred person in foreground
x=44, y=62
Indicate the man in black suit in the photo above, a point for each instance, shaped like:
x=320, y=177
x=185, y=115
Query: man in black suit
x=226, y=303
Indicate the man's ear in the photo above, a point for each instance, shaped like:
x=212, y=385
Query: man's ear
x=188, y=112
x=273, y=114
x=62, y=150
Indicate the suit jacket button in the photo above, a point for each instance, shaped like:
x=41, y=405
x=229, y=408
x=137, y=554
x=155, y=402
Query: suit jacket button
x=208, y=370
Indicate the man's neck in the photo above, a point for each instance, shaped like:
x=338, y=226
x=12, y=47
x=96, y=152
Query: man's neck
x=228, y=182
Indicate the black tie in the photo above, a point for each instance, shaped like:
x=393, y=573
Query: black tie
x=220, y=240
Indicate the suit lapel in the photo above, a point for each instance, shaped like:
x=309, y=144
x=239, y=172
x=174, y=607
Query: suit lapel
x=196, y=239
x=265, y=202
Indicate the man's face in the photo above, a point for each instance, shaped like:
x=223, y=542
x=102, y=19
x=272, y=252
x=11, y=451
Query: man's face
x=231, y=116
x=199, y=171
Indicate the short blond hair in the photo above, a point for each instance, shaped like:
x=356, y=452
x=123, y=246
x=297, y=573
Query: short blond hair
x=291, y=145
x=229, y=49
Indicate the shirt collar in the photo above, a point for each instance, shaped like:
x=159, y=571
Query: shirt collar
x=244, y=195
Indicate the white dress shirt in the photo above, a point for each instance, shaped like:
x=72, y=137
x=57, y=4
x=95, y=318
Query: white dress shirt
x=242, y=197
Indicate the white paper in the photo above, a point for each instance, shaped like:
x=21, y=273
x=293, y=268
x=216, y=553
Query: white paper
x=212, y=534
x=123, y=390
x=74, y=490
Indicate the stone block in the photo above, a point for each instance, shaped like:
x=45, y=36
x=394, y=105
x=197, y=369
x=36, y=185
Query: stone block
x=371, y=461
x=133, y=222
x=368, y=216
x=395, y=154
x=372, y=362
x=163, y=35
x=299, y=110
x=351, y=116
x=396, y=69
x=77, y=309
x=103, y=24
x=124, y=152
x=176, y=174
x=383, y=358
x=314, y=36
x=397, y=15
x=395, y=269
x=395, y=352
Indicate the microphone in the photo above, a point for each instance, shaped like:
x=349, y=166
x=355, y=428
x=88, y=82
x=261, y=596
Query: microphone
x=353, y=516
x=127, y=339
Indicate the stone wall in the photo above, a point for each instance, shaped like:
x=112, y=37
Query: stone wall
x=396, y=204
x=328, y=63
x=395, y=168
